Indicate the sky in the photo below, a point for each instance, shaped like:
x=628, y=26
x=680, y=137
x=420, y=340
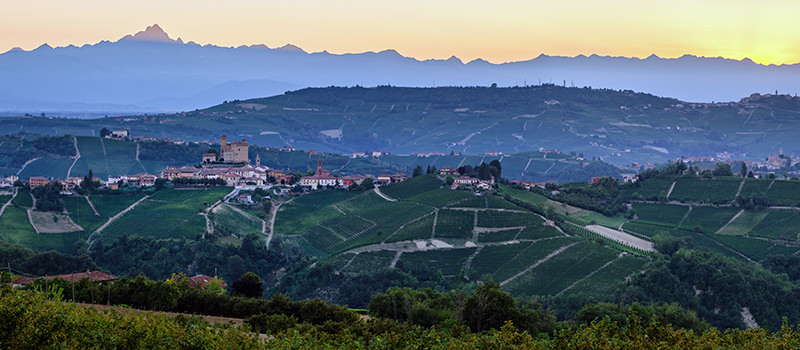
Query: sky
x=498, y=31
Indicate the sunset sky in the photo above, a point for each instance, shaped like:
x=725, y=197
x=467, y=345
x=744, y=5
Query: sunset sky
x=499, y=31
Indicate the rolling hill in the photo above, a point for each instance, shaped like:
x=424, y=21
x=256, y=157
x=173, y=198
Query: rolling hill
x=620, y=127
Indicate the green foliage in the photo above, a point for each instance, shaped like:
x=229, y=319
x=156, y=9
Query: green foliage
x=48, y=197
x=248, y=286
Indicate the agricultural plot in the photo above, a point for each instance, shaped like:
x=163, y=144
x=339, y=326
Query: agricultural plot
x=562, y=270
x=15, y=228
x=506, y=219
x=411, y=187
x=49, y=222
x=756, y=249
x=705, y=190
x=745, y=223
x=231, y=221
x=440, y=197
x=474, y=202
x=49, y=167
x=754, y=187
x=306, y=211
x=167, y=214
x=109, y=205
x=420, y=229
x=449, y=261
x=649, y=229
x=779, y=224
x=649, y=189
x=492, y=258
x=454, y=224
x=784, y=193
x=539, y=232
x=603, y=282
x=23, y=199
x=500, y=203
x=82, y=214
x=370, y=262
x=710, y=219
x=670, y=215
x=529, y=256
x=498, y=236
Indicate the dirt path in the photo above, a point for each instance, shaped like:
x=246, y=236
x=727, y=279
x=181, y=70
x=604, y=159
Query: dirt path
x=137, y=158
x=91, y=205
x=26, y=164
x=526, y=166
x=622, y=237
x=671, y=187
x=115, y=217
x=3, y=209
x=435, y=218
x=105, y=155
x=729, y=221
x=487, y=209
x=390, y=199
x=552, y=254
x=468, y=264
x=204, y=213
x=396, y=259
x=739, y=191
x=685, y=216
x=587, y=276
x=77, y=156
x=30, y=220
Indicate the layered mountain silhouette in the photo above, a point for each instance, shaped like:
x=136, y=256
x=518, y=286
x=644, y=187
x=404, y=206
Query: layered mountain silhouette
x=149, y=71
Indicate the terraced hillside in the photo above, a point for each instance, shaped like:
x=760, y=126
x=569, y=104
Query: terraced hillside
x=715, y=214
x=463, y=236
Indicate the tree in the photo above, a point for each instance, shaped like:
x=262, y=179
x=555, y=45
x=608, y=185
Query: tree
x=249, y=286
x=489, y=307
x=722, y=169
x=213, y=150
x=104, y=132
x=417, y=171
x=744, y=169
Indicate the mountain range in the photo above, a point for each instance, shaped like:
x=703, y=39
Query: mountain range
x=149, y=72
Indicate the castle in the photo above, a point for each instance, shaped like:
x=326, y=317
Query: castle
x=230, y=152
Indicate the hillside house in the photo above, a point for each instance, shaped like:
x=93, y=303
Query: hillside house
x=119, y=134
x=200, y=282
x=465, y=180
x=384, y=179
x=448, y=171
x=350, y=180
x=629, y=178
x=35, y=181
x=245, y=198
x=183, y=173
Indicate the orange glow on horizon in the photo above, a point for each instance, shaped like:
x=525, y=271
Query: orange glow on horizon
x=501, y=31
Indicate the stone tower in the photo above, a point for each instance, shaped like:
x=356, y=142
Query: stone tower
x=258, y=160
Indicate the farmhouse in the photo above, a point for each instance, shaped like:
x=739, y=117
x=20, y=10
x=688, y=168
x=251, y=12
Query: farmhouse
x=629, y=178
x=350, y=180
x=448, y=171
x=200, y=282
x=118, y=134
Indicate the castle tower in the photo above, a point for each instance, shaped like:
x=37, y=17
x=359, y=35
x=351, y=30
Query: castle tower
x=258, y=160
x=223, y=143
x=319, y=166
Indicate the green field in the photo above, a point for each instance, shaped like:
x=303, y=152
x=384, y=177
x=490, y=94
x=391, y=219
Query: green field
x=779, y=224
x=665, y=213
x=23, y=198
x=82, y=214
x=370, y=262
x=305, y=211
x=441, y=197
x=411, y=187
x=745, y=223
x=167, y=214
x=710, y=219
x=15, y=228
x=529, y=256
x=756, y=249
x=454, y=224
x=558, y=273
x=604, y=282
x=498, y=236
x=784, y=193
x=754, y=187
x=705, y=190
x=420, y=229
x=505, y=219
x=492, y=258
x=231, y=221
x=539, y=232
x=449, y=261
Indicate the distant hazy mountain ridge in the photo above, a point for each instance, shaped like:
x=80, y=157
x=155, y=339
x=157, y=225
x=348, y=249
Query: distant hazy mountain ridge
x=149, y=71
